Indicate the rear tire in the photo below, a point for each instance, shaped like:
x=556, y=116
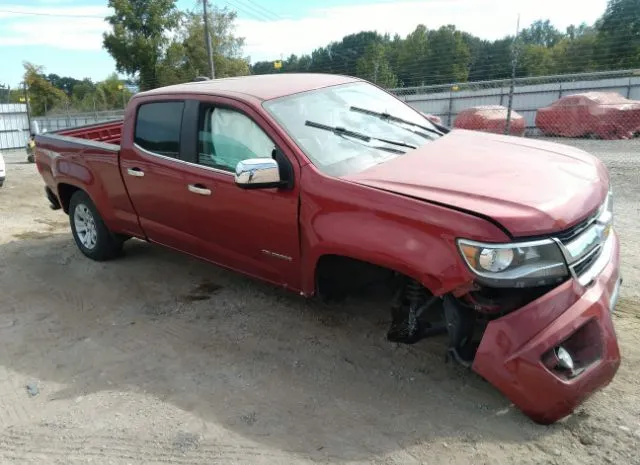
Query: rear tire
x=92, y=236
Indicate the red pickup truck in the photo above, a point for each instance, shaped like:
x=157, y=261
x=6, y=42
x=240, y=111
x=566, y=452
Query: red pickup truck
x=328, y=185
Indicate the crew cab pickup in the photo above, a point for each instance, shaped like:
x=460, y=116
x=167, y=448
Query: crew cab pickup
x=327, y=184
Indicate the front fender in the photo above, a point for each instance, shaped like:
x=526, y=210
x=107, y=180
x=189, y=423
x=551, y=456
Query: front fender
x=409, y=236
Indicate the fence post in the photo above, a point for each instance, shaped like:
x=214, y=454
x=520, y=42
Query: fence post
x=450, y=114
x=514, y=64
x=560, y=91
x=629, y=89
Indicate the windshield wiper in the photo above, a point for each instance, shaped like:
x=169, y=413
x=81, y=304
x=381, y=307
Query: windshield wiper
x=342, y=132
x=390, y=118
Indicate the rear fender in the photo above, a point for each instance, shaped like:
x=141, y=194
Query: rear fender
x=73, y=171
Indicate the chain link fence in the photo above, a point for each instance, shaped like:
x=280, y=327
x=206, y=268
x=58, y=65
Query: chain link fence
x=69, y=120
x=603, y=105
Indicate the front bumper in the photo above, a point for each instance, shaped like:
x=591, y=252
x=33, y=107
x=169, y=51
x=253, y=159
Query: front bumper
x=513, y=347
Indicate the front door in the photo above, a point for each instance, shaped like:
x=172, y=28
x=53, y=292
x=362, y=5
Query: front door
x=254, y=231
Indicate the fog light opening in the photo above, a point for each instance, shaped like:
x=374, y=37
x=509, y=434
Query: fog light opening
x=565, y=362
x=564, y=359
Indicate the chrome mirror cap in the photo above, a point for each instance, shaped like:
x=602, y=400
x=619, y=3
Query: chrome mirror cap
x=258, y=173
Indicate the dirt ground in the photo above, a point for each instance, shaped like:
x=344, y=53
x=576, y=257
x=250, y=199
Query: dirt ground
x=160, y=358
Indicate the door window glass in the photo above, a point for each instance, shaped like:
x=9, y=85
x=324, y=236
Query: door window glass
x=158, y=127
x=227, y=137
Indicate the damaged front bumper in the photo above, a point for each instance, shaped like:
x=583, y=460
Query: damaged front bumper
x=516, y=350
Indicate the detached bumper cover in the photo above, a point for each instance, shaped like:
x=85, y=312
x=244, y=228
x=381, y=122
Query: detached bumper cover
x=511, y=351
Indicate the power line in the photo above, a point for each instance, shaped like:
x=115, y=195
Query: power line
x=238, y=8
x=55, y=15
x=270, y=12
x=255, y=10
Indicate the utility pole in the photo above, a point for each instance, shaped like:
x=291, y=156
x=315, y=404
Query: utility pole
x=514, y=64
x=26, y=101
x=207, y=39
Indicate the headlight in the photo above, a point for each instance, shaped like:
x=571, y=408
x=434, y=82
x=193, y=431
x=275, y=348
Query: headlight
x=525, y=264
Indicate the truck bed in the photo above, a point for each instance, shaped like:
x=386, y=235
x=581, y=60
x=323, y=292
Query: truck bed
x=108, y=132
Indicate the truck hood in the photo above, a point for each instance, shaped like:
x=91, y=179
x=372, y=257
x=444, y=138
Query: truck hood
x=530, y=187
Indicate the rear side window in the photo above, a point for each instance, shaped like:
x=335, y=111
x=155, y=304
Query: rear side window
x=158, y=127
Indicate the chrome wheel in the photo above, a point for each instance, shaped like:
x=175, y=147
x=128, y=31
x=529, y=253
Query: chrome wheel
x=85, y=226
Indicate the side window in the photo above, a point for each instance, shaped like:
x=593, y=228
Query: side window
x=158, y=127
x=227, y=137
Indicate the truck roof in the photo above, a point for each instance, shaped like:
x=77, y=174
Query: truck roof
x=261, y=87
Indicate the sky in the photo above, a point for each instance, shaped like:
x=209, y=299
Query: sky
x=65, y=36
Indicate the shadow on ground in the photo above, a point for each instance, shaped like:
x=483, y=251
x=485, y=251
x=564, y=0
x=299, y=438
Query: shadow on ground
x=297, y=376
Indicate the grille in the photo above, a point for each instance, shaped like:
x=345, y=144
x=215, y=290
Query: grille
x=582, y=266
x=568, y=235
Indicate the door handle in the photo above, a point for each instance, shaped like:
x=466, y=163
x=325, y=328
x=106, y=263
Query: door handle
x=199, y=189
x=135, y=172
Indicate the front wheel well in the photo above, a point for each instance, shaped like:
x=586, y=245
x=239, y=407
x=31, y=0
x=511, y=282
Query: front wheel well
x=65, y=192
x=338, y=276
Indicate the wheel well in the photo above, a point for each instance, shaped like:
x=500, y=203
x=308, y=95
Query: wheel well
x=338, y=276
x=65, y=192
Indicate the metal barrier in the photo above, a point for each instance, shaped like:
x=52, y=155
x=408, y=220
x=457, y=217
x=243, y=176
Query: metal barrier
x=14, y=125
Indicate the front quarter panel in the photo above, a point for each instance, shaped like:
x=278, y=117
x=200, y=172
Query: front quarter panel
x=412, y=237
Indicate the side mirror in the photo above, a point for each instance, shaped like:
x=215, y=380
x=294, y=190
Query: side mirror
x=258, y=173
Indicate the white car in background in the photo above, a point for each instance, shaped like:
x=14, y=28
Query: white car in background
x=3, y=173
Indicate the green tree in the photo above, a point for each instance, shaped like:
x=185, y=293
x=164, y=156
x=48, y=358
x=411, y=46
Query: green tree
x=186, y=56
x=489, y=60
x=42, y=94
x=111, y=94
x=576, y=53
x=139, y=36
x=82, y=89
x=536, y=60
x=541, y=33
x=374, y=66
x=619, y=35
x=64, y=83
x=449, y=56
x=412, y=58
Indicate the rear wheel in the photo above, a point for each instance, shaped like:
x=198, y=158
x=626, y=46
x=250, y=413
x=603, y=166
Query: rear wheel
x=89, y=231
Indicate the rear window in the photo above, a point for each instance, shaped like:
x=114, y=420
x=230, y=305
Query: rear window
x=158, y=127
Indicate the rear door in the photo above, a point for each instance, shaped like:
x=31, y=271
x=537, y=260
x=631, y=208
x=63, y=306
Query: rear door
x=155, y=176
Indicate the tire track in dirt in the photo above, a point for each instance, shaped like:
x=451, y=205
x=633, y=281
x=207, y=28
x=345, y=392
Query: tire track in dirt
x=13, y=409
x=24, y=445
